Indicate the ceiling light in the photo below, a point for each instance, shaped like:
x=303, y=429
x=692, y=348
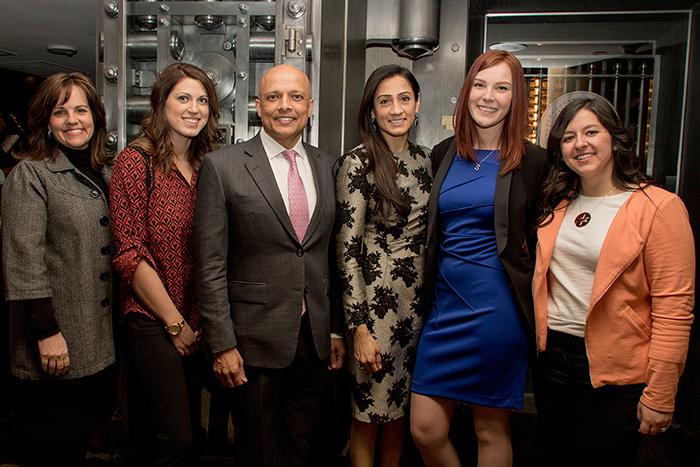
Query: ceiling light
x=62, y=49
x=508, y=46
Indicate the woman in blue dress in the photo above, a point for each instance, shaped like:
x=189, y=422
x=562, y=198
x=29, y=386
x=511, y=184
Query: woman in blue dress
x=482, y=210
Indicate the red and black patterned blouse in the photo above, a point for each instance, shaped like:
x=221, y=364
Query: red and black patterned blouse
x=156, y=228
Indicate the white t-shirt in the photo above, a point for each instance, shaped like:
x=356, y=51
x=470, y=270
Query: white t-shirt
x=575, y=258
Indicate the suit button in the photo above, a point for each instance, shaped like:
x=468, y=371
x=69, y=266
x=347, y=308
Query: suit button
x=104, y=276
x=104, y=220
x=300, y=252
x=94, y=194
x=105, y=302
x=105, y=250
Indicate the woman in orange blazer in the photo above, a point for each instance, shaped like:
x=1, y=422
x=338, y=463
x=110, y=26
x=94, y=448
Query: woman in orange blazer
x=613, y=292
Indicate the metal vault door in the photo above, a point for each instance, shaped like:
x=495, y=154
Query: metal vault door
x=233, y=42
x=627, y=82
x=638, y=60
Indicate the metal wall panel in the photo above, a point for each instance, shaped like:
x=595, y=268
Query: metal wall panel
x=343, y=32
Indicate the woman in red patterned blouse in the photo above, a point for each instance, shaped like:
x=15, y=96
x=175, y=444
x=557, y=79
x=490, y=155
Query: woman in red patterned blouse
x=152, y=198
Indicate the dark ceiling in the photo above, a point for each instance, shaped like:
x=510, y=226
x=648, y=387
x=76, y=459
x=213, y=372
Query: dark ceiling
x=512, y=6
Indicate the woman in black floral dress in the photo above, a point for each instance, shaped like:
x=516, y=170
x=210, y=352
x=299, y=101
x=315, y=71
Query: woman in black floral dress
x=382, y=188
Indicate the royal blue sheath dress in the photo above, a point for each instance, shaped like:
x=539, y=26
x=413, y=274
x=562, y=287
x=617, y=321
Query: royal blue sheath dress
x=473, y=345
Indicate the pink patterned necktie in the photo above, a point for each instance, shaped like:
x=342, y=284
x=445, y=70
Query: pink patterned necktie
x=298, y=204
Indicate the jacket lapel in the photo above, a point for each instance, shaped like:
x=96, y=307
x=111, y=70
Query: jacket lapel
x=62, y=164
x=324, y=189
x=438, y=179
x=500, y=208
x=547, y=236
x=258, y=166
x=621, y=246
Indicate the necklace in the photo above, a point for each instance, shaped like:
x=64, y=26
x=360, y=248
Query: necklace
x=477, y=163
x=584, y=217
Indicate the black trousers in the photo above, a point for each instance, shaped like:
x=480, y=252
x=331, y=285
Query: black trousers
x=279, y=409
x=579, y=425
x=164, y=393
x=54, y=419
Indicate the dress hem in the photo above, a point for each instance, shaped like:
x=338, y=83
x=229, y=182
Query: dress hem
x=469, y=399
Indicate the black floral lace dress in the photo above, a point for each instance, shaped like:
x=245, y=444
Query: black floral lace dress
x=381, y=266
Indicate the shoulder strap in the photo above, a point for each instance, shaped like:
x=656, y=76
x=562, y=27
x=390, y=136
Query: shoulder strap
x=149, y=169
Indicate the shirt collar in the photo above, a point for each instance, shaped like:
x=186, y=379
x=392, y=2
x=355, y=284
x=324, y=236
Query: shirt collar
x=274, y=149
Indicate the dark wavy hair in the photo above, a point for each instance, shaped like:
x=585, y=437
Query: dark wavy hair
x=512, y=140
x=562, y=183
x=381, y=160
x=54, y=91
x=155, y=130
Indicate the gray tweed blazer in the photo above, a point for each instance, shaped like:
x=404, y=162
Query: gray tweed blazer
x=56, y=243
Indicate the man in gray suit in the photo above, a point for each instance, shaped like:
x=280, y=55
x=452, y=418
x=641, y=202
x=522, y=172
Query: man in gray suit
x=263, y=240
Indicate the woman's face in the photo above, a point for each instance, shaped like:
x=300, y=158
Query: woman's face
x=395, y=107
x=71, y=122
x=187, y=108
x=490, y=96
x=587, y=147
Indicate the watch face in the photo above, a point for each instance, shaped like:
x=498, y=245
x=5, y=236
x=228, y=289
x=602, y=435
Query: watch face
x=174, y=329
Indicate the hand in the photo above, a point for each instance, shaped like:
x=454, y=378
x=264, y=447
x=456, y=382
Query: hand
x=366, y=350
x=228, y=368
x=186, y=341
x=651, y=421
x=337, y=354
x=53, y=351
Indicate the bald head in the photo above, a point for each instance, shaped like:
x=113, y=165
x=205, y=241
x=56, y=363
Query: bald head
x=284, y=104
x=285, y=72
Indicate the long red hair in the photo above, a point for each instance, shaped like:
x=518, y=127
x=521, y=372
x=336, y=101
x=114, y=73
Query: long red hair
x=512, y=141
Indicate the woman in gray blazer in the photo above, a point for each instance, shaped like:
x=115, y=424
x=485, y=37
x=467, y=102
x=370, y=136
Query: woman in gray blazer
x=56, y=266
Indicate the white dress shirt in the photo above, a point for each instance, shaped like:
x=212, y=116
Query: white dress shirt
x=280, y=167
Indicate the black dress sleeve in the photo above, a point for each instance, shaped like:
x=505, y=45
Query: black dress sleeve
x=41, y=317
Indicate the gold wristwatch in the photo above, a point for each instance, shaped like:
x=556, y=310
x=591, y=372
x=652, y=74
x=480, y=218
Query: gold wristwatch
x=176, y=328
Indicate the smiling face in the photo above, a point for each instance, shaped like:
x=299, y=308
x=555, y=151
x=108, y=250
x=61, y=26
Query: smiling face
x=395, y=108
x=186, y=109
x=284, y=104
x=71, y=122
x=490, y=97
x=587, y=149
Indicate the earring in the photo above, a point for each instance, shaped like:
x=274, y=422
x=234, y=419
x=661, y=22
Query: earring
x=373, y=122
x=49, y=133
x=415, y=121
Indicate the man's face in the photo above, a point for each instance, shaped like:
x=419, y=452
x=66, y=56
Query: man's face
x=284, y=104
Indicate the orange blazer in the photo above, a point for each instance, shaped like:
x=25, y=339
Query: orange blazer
x=639, y=317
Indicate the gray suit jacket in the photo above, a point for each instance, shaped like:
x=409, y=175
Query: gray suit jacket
x=56, y=243
x=251, y=271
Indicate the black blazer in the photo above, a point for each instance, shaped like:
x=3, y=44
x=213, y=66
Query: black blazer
x=515, y=214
